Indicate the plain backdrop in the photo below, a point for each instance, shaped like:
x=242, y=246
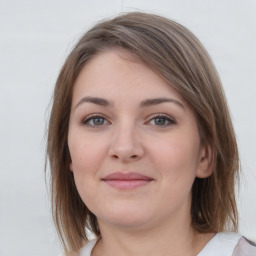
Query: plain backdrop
x=35, y=38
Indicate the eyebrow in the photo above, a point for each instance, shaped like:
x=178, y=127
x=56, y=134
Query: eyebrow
x=156, y=101
x=144, y=103
x=95, y=100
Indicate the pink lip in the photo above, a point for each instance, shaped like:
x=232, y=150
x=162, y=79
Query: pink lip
x=128, y=180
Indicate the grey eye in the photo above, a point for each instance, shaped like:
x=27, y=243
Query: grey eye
x=161, y=121
x=98, y=121
x=95, y=121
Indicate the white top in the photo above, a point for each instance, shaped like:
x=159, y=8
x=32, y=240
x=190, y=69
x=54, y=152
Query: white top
x=222, y=244
x=228, y=244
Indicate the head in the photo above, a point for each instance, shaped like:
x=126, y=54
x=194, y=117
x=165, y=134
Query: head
x=175, y=55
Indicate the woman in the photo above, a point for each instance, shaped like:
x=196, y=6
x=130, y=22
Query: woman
x=141, y=145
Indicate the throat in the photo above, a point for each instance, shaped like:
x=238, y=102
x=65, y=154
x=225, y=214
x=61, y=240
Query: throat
x=190, y=247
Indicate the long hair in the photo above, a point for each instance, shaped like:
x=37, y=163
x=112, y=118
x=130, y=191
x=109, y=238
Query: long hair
x=175, y=54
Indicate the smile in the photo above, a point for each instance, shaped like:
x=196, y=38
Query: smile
x=129, y=180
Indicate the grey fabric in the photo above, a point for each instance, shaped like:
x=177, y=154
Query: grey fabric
x=244, y=247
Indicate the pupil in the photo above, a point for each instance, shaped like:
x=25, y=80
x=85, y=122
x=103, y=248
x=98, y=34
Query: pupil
x=98, y=121
x=160, y=121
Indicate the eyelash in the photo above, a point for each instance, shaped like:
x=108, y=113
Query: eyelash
x=92, y=117
x=170, y=120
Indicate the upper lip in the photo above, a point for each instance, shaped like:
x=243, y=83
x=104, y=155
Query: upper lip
x=126, y=176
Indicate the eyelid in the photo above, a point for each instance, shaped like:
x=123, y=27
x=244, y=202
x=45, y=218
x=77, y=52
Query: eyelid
x=162, y=115
x=86, y=119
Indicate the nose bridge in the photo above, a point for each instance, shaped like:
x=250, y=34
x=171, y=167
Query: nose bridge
x=126, y=144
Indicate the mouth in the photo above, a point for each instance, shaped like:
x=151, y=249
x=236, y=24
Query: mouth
x=130, y=180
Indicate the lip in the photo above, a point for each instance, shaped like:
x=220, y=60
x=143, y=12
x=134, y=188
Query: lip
x=127, y=180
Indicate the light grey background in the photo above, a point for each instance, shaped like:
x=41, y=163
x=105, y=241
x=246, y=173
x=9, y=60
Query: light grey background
x=36, y=36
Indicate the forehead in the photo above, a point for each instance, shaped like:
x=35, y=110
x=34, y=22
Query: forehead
x=118, y=70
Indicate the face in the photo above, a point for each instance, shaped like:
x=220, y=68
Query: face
x=134, y=143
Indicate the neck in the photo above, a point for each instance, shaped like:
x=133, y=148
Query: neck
x=174, y=239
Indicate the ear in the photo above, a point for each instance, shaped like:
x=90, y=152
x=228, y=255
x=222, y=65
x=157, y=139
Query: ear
x=71, y=167
x=206, y=160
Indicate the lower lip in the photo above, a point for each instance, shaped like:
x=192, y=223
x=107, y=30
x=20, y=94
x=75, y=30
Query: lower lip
x=127, y=184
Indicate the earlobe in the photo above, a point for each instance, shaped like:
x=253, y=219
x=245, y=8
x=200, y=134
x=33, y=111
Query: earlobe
x=205, y=164
x=71, y=167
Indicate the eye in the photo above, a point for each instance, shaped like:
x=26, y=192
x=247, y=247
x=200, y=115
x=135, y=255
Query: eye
x=161, y=120
x=95, y=120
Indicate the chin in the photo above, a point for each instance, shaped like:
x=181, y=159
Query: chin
x=126, y=219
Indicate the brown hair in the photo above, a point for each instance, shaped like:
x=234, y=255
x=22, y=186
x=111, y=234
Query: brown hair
x=177, y=56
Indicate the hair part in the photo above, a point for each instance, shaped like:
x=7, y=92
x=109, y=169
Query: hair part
x=174, y=53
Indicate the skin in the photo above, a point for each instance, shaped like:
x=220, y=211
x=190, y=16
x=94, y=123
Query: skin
x=125, y=136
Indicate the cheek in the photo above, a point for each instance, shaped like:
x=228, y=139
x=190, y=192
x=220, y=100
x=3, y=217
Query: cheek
x=175, y=162
x=86, y=156
x=176, y=159
x=86, y=162
x=86, y=152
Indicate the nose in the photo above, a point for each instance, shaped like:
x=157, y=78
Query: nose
x=126, y=145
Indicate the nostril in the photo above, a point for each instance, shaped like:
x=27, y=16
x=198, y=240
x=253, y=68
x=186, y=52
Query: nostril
x=134, y=156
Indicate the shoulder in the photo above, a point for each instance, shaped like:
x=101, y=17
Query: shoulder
x=86, y=249
x=244, y=247
x=227, y=244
